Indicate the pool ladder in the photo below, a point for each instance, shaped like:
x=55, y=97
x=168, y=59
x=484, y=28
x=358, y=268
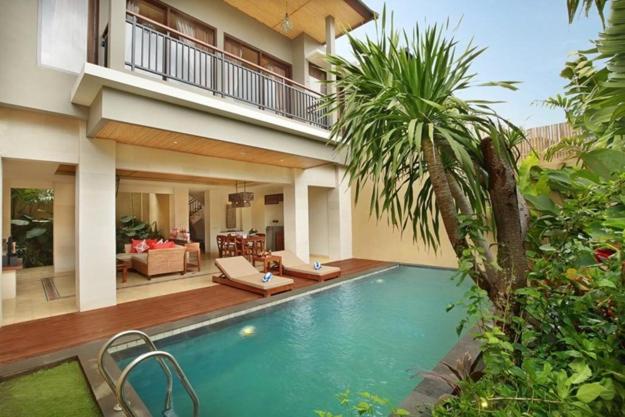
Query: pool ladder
x=161, y=357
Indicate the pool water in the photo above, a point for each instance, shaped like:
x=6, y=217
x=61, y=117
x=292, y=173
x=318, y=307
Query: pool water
x=373, y=334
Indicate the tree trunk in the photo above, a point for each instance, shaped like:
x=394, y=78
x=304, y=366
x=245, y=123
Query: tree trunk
x=442, y=192
x=507, y=214
x=463, y=204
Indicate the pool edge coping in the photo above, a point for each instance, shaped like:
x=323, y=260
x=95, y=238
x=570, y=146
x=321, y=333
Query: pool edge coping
x=428, y=392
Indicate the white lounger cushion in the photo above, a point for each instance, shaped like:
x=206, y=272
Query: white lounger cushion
x=308, y=269
x=235, y=267
x=238, y=269
x=257, y=281
x=293, y=263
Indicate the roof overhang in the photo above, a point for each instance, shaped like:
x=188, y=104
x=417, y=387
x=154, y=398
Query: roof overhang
x=307, y=16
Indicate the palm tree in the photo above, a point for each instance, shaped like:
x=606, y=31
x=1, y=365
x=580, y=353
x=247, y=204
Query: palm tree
x=429, y=154
x=574, y=5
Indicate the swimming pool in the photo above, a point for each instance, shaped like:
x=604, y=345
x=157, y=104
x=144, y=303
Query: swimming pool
x=371, y=334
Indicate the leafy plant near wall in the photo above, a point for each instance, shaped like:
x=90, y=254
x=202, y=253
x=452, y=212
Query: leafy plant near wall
x=32, y=225
x=564, y=355
x=133, y=228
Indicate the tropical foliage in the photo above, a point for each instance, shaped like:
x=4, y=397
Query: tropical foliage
x=32, y=225
x=132, y=228
x=430, y=155
x=567, y=353
x=564, y=354
x=554, y=346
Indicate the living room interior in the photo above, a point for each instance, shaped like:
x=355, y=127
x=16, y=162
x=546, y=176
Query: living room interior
x=181, y=209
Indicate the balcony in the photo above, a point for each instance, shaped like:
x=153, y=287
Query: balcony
x=161, y=51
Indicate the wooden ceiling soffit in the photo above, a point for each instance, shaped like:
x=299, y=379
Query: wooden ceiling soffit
x=196, y=145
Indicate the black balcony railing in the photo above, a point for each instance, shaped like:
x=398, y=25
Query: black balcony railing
x=171, y=55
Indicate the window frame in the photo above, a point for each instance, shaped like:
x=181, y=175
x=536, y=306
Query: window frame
x=261, y=54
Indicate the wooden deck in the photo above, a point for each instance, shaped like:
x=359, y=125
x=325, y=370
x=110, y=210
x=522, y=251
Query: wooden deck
x=23, y=340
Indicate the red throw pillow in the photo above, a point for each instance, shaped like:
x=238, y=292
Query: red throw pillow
x=168, y=244
x=133, y=245
x=164, y=245
x=151, y=243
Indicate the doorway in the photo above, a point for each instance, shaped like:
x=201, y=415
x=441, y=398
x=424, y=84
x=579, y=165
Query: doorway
x=32, y=214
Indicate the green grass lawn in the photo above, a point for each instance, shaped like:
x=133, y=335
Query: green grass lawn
x=60, y=391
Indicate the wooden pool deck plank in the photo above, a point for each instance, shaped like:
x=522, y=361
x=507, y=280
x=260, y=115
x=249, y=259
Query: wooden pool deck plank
x=37, y=337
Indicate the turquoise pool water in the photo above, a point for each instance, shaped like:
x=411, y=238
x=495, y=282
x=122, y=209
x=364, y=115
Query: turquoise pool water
x=374, y=334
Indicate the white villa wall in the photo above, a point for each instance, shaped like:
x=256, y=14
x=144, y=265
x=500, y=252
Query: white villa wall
x=373, y=239
x=24, y=82
x=64, y=226
x=318, y=221
x=95, y=218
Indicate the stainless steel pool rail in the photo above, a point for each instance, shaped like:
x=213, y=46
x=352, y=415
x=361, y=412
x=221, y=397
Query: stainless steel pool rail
x=117, y=388
x=159, y=356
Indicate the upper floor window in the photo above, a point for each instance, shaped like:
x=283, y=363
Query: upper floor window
x=63, y=33
x=318, y=78
x=175, y=19
x=255, y=56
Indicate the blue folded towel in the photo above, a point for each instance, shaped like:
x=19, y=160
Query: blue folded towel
x=316, y=265
x=267, y=277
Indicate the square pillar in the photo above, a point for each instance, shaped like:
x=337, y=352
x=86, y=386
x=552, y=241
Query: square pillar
x=181, y=208
x=95, y=224
x=1, y=235
x=331, y=50
x=340, y=218
x=296, y=217
x=64, y=227
x=118, y=30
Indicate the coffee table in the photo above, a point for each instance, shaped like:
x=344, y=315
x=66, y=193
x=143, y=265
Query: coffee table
x=124, y=263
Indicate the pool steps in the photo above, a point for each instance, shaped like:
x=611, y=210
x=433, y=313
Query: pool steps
x=153, y=353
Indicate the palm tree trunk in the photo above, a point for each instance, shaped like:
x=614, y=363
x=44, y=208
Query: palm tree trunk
x=465, y=208
x=449, y=212
x=442, y=192
x=507, y=215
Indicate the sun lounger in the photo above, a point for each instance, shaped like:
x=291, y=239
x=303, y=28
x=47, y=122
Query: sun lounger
x=295, y=267
x=237, y=272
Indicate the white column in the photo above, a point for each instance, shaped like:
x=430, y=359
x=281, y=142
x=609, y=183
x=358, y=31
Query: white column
x=181, y=208
x=340, y=218
x=95, y=224
x=331, y=50
x=1, y=235
x=296, y=217
x=207, y=223
x=64, y=227
x=117, y=34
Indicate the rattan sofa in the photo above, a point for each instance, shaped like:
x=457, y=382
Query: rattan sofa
x=159, y=261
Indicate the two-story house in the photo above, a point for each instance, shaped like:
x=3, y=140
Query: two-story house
x=165, y=103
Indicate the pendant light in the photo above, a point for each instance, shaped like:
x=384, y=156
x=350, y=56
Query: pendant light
x=286, y=25
x=240, y=199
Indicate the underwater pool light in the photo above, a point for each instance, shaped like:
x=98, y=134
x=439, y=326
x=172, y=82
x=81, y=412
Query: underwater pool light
x=247, y=331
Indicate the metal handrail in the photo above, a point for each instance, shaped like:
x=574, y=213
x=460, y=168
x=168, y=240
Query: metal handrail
x=109, y=379
x=217, y=50
x=219, y=72
x=159, y=355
